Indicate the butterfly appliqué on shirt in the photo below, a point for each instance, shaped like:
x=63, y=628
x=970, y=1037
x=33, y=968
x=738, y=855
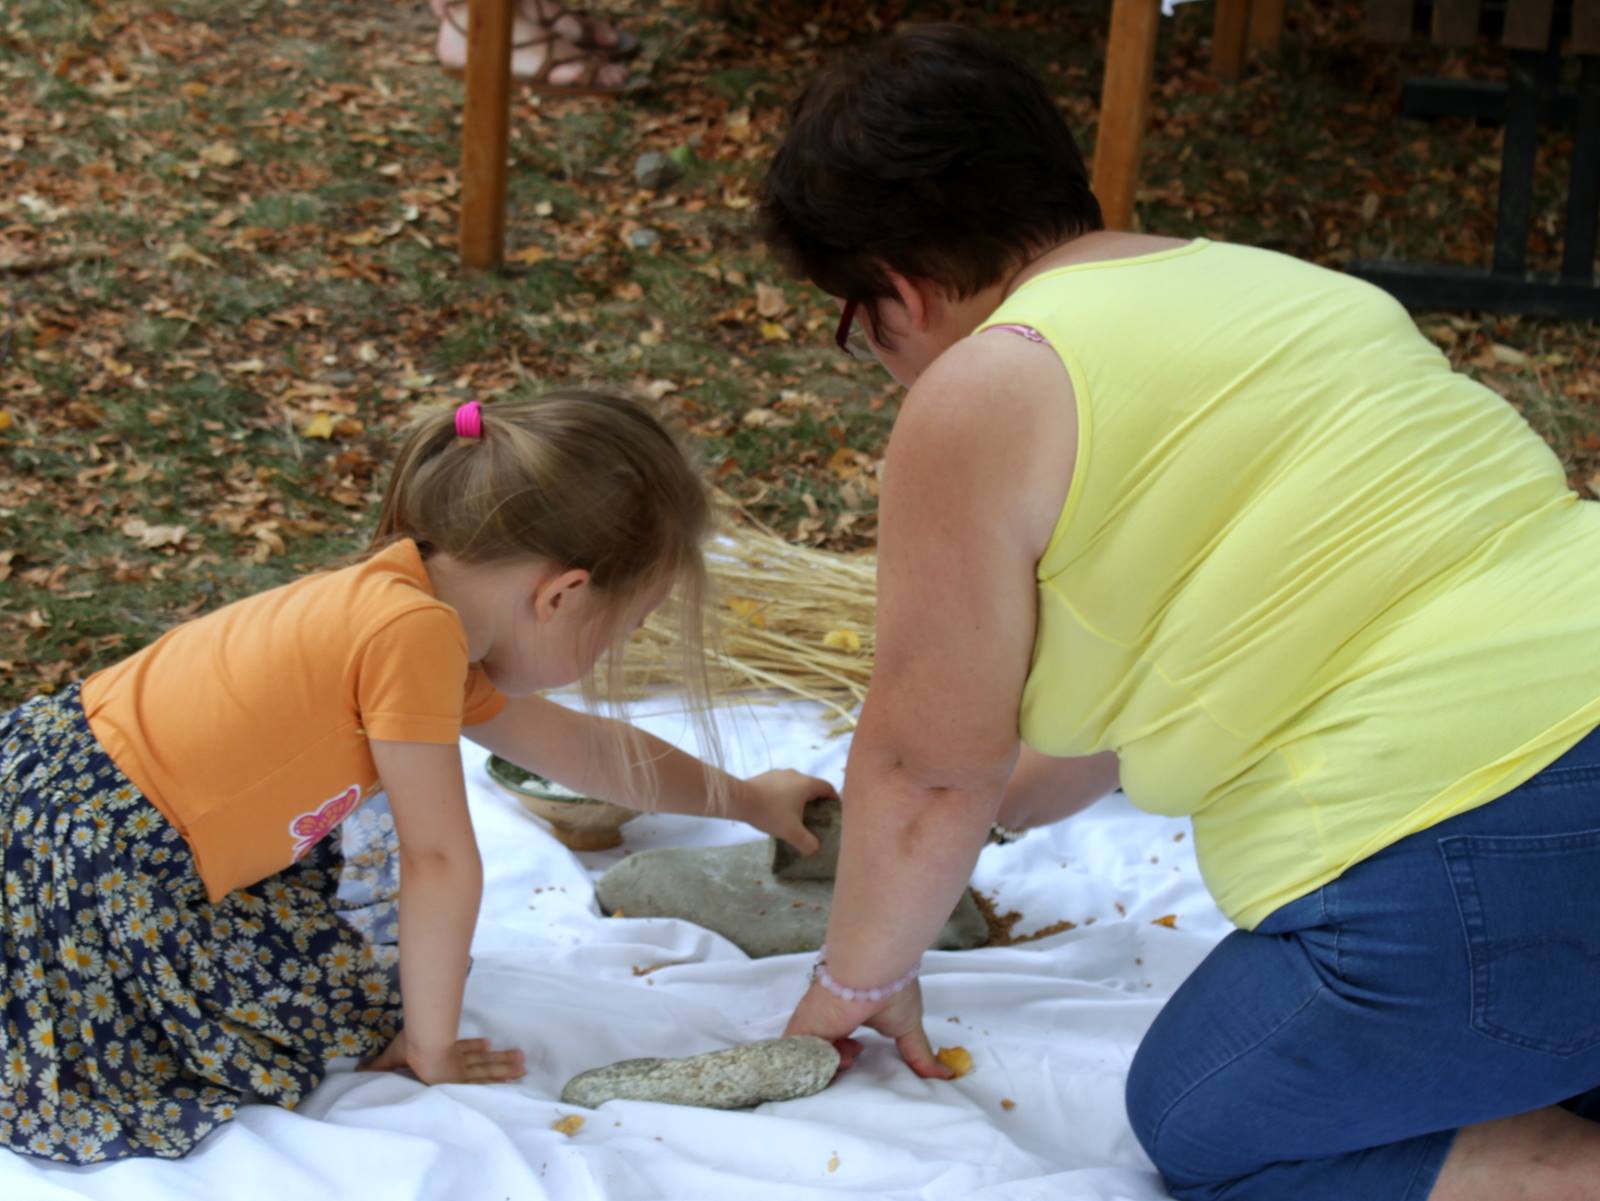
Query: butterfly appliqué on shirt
x=309, y=828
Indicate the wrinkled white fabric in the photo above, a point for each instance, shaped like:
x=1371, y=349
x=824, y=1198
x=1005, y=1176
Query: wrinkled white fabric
x=1051, y=1026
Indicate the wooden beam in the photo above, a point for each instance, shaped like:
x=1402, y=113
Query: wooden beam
x=1228, y=34
x=485, y=128
x=1124, y=102
x=1390, y=20
x=1586, y=26
x=1528, y=24
x=1455, y=22
x=1266, y=26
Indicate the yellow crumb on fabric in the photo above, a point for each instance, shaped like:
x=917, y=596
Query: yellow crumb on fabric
x=833, y=1164
x=568, y=1125
x=1007, y=1104
x=1170, y=921
x=957, y=1059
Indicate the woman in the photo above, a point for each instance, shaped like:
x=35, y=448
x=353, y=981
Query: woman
x=1224, y=523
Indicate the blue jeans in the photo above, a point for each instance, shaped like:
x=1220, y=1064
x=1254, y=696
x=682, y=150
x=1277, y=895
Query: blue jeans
x=1452, y=978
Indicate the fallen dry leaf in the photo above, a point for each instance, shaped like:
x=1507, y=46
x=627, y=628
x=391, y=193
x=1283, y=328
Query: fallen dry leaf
x=221, y=154
x=765, y=419
x=770, y=301
x=320, y=426
x=154, y=537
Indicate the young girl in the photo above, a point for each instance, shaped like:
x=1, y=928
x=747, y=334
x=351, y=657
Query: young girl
x=168, y=941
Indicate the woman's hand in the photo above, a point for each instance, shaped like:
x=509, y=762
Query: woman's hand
x=824, y=1015
x=774, y=803
x=467, y=1061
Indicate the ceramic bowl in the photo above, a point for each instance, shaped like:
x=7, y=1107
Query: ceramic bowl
x=579, y=822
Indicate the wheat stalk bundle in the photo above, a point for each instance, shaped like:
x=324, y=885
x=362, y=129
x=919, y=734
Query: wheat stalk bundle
x=792, y=619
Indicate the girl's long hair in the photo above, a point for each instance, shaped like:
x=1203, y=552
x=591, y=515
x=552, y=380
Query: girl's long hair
x=584, y=480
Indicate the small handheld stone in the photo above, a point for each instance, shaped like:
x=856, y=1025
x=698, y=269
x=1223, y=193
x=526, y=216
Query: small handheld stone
x=777, y=1069
x=825, y=819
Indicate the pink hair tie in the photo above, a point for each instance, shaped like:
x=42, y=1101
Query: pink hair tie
x=469, y=420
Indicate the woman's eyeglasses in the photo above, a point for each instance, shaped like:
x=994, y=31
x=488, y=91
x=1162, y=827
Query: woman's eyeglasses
x=849, y=340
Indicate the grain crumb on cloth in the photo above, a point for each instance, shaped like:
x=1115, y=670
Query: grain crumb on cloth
x=957, y=1059
x=1002, y=926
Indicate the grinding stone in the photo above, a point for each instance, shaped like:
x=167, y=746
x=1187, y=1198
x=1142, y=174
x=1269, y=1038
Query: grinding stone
x=778, y=1069
x=732, y=891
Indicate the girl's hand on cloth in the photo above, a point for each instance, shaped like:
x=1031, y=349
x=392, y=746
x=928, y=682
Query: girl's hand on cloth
x=774, y=803
x=467, y=1061
x=898, y=1017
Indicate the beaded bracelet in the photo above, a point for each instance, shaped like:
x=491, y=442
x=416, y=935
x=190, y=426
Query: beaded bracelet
x=820, y=974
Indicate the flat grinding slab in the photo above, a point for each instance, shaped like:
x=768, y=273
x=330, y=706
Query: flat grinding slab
x=732, y=891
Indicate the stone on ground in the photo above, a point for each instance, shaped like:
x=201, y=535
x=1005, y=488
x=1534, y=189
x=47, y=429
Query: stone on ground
x=778, y=1069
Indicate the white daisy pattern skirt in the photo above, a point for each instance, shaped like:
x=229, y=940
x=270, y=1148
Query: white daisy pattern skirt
x=136, y=1016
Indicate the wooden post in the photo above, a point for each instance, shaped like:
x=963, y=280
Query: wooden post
x=1124, y=99
x=1455, y=22
x=1528, y=24
x=1266, y=25
x=1228, y=35
x=485, y=127
x=1586, y=26
x=1389, y=20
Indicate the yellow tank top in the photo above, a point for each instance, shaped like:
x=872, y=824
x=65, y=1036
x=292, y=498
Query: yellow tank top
x=1317, y=590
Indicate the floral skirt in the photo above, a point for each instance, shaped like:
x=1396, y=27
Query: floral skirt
x=136, y=1015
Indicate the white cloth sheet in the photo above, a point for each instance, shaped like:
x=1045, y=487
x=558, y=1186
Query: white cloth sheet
x=1051, y=1026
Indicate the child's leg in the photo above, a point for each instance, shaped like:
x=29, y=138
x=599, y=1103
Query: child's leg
x=1444, y=983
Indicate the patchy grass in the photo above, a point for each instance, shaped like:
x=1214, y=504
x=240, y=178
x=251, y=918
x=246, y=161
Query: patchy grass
x=239, y=270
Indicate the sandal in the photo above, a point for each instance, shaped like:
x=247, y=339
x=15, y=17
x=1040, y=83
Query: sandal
x=585, y=83
x=552, y=14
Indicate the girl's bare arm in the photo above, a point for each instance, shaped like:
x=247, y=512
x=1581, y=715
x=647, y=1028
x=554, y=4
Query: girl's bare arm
x=441, y=884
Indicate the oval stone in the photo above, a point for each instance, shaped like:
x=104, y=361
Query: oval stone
x=776, y=1069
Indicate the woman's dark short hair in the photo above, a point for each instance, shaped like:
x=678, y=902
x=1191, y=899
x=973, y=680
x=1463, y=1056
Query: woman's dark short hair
x=935, y=152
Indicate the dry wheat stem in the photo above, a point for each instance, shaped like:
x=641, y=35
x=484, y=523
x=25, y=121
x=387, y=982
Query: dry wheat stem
x=777, y=603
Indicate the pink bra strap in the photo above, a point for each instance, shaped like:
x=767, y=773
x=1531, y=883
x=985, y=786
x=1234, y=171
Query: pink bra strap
x=1027, y=331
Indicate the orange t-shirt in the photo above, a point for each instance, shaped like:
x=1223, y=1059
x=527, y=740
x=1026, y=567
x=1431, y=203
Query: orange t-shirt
x=247, y=728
